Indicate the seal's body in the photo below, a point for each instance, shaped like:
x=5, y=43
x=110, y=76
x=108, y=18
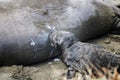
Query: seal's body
x=81, y=57
x=89, y=19
x=24, y=35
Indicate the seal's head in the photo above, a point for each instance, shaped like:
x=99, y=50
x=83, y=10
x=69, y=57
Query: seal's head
x=62, y=39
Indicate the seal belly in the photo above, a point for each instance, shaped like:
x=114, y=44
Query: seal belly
x=21, y=41
x=25, y=49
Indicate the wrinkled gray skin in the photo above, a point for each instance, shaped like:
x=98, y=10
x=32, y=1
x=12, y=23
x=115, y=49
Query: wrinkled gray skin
x=79, y=56
x=24, y=31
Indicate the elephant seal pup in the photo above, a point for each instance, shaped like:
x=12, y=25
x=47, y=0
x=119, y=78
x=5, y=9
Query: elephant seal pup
x=79, y=56
x=24, y=36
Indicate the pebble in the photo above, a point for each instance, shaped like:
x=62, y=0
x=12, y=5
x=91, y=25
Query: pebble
x=56, y=60
x=107, y=41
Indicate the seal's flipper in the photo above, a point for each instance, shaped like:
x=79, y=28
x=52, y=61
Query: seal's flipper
x=116, y=29
x=116, y=11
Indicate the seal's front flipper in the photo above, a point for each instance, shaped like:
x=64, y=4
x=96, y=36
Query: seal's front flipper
x=116, y=9
x=116, y=29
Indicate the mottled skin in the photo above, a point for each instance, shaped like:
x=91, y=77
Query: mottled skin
x=79, y=56
x=24, y=35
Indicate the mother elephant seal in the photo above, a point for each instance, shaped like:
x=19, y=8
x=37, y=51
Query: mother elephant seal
x=24, y=41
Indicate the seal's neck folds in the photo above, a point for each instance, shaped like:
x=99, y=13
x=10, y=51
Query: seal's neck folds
x=62, y=39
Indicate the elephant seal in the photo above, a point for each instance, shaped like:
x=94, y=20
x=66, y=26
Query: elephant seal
x=89, y=19
x=81, y=57
x=23, y=33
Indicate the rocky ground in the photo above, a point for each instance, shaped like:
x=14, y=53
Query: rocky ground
x=54, y=69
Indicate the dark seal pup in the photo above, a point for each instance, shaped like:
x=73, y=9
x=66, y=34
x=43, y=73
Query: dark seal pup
x=79, y=56
x=23, y=33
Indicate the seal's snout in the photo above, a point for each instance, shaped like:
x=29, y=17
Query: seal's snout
x=62, y=38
